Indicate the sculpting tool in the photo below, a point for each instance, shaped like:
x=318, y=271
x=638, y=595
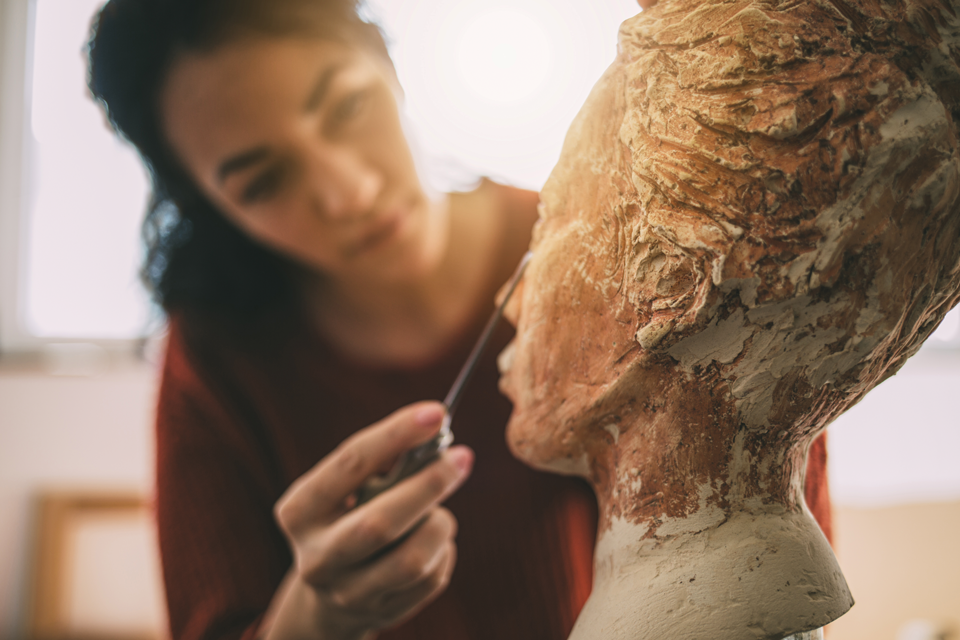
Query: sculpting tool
x=416, y=459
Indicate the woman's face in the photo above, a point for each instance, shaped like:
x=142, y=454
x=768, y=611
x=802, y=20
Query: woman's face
x=299, y=143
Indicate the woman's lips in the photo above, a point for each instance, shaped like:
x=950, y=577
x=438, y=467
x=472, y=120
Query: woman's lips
x=378, y=233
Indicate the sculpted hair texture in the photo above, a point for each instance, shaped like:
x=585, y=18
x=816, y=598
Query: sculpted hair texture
x=195, y=258
x=773, y=169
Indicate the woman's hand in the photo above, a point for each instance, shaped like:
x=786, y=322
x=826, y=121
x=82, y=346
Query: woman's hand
x=359, y=569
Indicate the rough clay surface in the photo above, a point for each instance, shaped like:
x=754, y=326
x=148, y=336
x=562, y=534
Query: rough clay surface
x=755, y=220
x=685, y=590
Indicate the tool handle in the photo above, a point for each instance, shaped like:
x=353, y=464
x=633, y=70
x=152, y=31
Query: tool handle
x=408, y=464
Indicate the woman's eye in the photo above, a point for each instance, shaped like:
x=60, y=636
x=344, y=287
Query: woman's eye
x=350, y=107
x=263, y=187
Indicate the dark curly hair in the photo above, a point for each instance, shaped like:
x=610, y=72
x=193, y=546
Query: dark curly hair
x=195, y=258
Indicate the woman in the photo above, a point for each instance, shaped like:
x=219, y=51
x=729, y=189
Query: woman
x=314, y=286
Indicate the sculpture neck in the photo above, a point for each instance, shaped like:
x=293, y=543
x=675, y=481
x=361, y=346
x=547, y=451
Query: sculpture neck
x=739, y=575
x=692, y=456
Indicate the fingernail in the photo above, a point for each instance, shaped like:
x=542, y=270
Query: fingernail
x=462, y=458
x=429, y=416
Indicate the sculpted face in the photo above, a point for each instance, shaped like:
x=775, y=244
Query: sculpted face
x=574, y=332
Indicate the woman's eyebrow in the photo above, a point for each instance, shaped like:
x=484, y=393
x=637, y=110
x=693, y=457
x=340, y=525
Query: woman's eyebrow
x=253, y=156
x=241, y=161
x=321, y=86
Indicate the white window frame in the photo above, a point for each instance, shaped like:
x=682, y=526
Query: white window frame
x=16, y=40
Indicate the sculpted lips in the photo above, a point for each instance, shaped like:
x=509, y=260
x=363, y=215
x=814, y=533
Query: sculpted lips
x=511, y=314
x=505, y=359
x=505, y=364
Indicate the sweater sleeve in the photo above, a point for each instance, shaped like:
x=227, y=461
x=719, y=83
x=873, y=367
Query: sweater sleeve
x=222, y=554
x=817, y=489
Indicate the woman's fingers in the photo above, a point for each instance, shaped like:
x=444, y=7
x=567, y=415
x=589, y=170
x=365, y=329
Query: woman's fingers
x=323, y=492
x=408, y=602
x=422, y=558
x=378, y=563
x=364, y=532
x=389, y=608
x=373, y=449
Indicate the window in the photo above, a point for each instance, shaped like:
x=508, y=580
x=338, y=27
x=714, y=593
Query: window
x=75, y=197
x=85, y=197
x=490, y=89
x=492, y=85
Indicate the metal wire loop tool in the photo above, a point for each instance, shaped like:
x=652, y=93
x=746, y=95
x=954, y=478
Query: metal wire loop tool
x=416, y=459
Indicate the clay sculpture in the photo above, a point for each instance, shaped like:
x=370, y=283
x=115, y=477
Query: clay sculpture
x=754, y=221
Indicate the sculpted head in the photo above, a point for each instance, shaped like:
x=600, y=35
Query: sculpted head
x=738, y=242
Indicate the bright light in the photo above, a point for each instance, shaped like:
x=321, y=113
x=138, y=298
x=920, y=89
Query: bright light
x=88, y=192
x=492, y=85
x=504, y=56
x=948, y=333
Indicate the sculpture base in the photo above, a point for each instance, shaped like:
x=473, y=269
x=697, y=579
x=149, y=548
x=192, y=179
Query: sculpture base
x=753, y=576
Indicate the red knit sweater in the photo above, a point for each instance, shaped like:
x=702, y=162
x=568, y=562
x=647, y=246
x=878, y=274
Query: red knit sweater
x=246, y=408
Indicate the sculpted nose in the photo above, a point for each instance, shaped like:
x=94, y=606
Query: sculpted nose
x=512, y=311
x=344, y=185
x=514, y=289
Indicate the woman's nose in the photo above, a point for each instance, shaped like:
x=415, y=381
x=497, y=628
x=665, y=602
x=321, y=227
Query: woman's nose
x=343, y=184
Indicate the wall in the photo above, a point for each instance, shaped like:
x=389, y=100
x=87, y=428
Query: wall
x=902, y=564
x=902, y=443
x=64, y=432
x=895, y=476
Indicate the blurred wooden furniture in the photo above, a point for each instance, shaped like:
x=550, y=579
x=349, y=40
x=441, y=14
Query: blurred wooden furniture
x=96, y=569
